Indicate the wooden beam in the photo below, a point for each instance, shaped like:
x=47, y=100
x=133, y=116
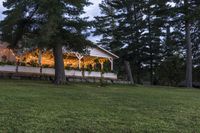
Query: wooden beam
x=112, y=64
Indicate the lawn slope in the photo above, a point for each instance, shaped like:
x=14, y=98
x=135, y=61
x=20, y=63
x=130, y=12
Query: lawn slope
x=33, y=106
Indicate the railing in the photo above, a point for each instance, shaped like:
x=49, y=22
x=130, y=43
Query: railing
x=51, y=72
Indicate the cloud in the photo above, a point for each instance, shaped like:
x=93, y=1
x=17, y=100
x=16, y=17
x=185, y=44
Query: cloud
x=1, y=9
x=93, y=10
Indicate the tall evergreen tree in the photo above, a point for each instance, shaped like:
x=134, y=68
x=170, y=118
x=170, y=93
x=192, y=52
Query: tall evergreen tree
x=107, y=23
x=47, y=23
x=137, y=31
x=151, y=31
x=153, y=34
x=185, y=13
x=119, y=24
x=195, y=37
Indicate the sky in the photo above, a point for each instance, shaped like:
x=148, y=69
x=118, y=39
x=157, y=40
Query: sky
x=1, y=9
x=91, y=11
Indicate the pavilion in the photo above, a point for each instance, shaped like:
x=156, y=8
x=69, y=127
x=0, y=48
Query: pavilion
x=95, y=60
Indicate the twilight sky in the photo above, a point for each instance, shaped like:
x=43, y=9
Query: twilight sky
x=1, y=8
x=91, y=11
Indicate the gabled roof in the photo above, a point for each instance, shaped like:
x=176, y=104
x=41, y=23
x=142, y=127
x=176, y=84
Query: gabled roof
x=114, y=56
x=106, y=51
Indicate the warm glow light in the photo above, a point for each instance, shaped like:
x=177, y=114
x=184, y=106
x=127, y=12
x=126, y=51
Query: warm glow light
x=70, y=59
x=7, y=55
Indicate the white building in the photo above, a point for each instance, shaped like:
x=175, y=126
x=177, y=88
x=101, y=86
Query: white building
x=41, y=62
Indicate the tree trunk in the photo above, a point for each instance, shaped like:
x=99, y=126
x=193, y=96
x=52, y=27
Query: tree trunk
x=139, y=72
x=189, y=55
x=150, y=45
x=59, y=65
x=129, y=72
x=189, y=46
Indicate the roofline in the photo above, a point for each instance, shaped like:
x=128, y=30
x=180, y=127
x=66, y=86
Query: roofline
x=110, y=53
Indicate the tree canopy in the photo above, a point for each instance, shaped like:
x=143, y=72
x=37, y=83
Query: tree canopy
x=149, y=33
x=46, y=23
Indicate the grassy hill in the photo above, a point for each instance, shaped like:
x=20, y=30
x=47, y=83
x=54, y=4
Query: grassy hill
x=34, y=106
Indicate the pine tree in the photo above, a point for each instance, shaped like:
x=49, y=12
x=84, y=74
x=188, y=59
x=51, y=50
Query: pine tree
x=122, y=24
x=148, y=32
x=184, y=13
x=195, y=37
x=153, y=33
x=107, y=24
x=46, y=23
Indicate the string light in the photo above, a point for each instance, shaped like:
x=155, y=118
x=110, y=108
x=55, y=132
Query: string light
x=47, y=59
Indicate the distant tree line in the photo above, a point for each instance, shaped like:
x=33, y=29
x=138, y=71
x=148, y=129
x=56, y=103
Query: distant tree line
x=160, y=38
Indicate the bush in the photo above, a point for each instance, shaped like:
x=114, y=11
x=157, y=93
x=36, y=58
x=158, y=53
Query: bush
x=171, y=71
x=7, y=63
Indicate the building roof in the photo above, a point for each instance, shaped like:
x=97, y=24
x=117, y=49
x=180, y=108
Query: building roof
x=107, y=52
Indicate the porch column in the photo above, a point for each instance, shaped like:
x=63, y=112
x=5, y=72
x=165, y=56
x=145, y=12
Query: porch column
x=101, y=61
x=79, y=63
x=102, y=66
x=79, y=59
x=93, y=66
x=40, y=58
x=111, y=61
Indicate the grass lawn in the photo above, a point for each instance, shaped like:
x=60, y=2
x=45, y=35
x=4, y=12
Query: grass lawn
x=34, y=106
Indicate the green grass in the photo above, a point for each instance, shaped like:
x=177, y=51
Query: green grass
x=34, y=106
